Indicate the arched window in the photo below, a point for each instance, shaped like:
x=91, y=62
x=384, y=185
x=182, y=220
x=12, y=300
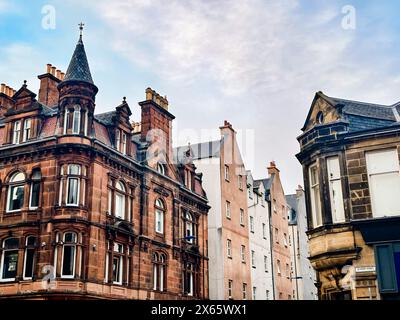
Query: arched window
x=159, y=271
x=70, y=241
x=9, y=259
x=120, y=200
x=189, y=279
x=29, y=257
x=161, y=168
x=15, y=200
x=159, y=210
x=35, y=190
x=190, y=227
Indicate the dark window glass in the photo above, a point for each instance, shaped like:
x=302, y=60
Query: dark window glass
x=16, y=198
x=68, y=261
x=35, y=194
x=116, y=271
x=10, y=264
x=72, y=191
x=30, y=256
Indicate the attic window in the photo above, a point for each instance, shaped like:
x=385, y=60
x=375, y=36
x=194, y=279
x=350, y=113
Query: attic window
x=161, y=168
x=320, y=117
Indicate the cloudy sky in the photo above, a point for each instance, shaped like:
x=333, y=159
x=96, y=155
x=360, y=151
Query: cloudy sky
x=255, y=63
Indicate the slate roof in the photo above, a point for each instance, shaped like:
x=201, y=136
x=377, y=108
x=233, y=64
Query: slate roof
x=78, y=69
x=204, y=150
x=291, y=200
x=364, y=109
x=267, y=182
x=106, y=118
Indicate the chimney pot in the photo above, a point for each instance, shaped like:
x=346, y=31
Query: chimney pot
x=49, y=68
x=53, y=71
x=58, y=74
x=62, y=75
x=2, y=88
x=272, y=164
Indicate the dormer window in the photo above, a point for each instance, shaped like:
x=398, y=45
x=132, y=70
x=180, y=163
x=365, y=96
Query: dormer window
x=161, y=168
x=27, y=130
x=17, y=132
x=117, y=139
x=123, y=147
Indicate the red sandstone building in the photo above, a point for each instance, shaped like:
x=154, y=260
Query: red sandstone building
x=91, y=205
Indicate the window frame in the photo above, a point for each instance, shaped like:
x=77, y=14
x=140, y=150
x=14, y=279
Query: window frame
x=315, y=198
x=31, y=247
x=74, y=245
x=3, y=253
x=15, y=184
x=159, y=211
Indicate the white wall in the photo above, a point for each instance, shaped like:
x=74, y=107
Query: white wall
x=212, y=185
x=262, y=247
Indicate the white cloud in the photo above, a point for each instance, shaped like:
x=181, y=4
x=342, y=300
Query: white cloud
x=256, y=63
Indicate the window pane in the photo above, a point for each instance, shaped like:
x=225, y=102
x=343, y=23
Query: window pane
x=116, y=269
x=120, y=206
x=29, y=258
x=10, y=264
x=16, y=198
x=68, y=261
x=35, y=191
x=72, y=197
x=77, y=115
x=385, y=191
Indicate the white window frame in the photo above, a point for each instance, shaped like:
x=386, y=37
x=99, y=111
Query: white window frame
x=27, y=130
x=373, y=172
x=2, y=261
x=19, y=183
x=25, y=258
x=228, y=209
x=74, y=245
x=251, y=219
x=229, y=248
x=76, y=177
x=159, y=216
x=17, y=132
x=316, y=213
x=226, y=172
x=335, y=189
x=76, y=120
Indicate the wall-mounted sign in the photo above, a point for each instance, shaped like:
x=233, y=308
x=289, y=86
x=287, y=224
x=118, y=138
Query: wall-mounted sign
x=365, y=269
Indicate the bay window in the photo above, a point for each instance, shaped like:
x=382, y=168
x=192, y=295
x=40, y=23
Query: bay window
x=9, y=260
x=315, y=197
x=384, y=182
x=73, y=185
x=159, y=216
x=15, y=198
x=29, y=257
x=335, y=190
x=69, y=251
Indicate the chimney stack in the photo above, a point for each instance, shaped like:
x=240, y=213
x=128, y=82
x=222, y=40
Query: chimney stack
x=48, y=92
x=272, y=169
x=156, y=121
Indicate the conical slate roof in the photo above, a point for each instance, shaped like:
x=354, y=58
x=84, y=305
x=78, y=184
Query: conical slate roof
x=78, y=69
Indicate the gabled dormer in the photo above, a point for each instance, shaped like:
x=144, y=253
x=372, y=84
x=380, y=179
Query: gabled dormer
x=121, y=129
x=323, y=110
x=22, y=119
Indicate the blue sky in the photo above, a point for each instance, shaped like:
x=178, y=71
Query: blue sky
x=255, y=63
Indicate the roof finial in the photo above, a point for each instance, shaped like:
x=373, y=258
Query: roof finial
x=81, y=25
